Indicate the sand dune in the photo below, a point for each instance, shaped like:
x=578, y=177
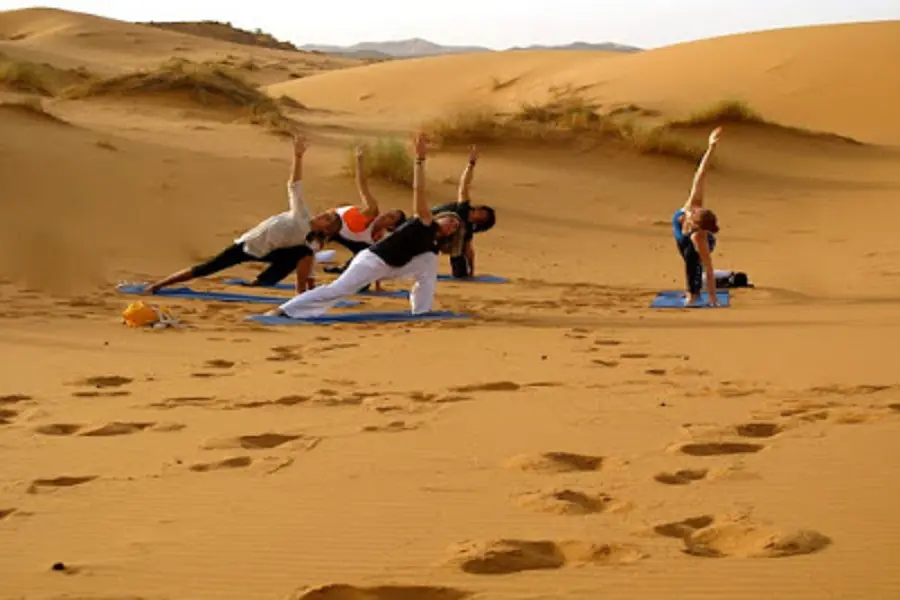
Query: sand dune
x=567, y=442
x=109, y=47
x=784, y=74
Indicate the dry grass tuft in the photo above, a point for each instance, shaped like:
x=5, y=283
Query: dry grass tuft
x=738, y=112
x=721, y=113
x=205, y=84
x=565, y=119
x=41, y=79
x=210, y=85
x=386, y=159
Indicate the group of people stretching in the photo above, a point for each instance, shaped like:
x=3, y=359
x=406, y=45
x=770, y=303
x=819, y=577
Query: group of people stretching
x=385, y=245
x=391, y=245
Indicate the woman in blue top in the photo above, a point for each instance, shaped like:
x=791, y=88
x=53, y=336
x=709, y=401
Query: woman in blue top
x=695, y=229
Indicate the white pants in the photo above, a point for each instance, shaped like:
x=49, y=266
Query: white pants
x=366, y=268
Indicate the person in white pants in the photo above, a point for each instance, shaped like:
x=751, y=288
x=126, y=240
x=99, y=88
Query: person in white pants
x=410, y=252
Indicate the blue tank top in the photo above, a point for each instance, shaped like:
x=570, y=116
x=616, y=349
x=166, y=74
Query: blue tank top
x=680, y=235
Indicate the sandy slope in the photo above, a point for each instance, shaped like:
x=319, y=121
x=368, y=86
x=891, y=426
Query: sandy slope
x=785, y=74
x=109, y=47
x=569, y=433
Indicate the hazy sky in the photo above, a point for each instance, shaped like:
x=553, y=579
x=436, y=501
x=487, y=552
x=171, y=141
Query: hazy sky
x=494, y=23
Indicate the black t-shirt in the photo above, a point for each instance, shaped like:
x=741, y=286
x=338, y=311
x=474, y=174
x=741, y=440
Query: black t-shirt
x=407, y=242
x=462, y=209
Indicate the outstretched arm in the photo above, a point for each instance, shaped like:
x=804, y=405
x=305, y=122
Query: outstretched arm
x=369, y=204
x=465, y=180
x=295, y=184
x=420, y=204
x=698, y=189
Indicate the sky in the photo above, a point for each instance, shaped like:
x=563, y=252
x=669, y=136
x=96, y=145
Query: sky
x=496, y=24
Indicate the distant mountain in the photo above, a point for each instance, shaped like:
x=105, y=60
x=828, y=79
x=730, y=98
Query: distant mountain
x=394, y=49
x=601, y=47
x=418, y=47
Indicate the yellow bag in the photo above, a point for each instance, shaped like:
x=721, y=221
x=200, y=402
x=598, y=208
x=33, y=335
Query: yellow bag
x=141, y=314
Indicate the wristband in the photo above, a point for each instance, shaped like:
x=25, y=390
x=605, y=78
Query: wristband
x=420, y=160
x=471, y=163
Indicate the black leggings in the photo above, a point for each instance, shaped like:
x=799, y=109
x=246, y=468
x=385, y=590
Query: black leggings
x=693, y=266
x=282, y=262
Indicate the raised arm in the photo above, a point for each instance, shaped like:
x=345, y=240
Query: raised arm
x=420, y=204
x=295, y=184
x=465, y=180
x=369, y=204
x=698, y=189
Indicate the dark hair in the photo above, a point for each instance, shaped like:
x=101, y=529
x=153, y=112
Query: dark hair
x=490, y=219
x=707, y=220
x=401, y=217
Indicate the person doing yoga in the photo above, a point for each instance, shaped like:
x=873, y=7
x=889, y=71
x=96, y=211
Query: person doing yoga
x=285, y=240
x=410, y=252
x=695, y=228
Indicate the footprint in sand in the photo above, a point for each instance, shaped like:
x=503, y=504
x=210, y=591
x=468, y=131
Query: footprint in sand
x=500, y=557
x=97, y=394
x=218, y=363
x=684, y=528
x=758, y=430
x=237, y=462
x=58, y=429
x=656, y=372
x=263, y=441
x=437, y=399
x=41, y=485
x=719, y=448
x=117, y=428
x=606, y=363
x=748, y=541
x=7, y=416
x=392, y=427
x=496, y=386
x=178, y=402
x=681, y=477
x=340, y=591
x=894, y=407
x=634, y=355
x=556, y=462
x=13, y=399
x=283, y=401
x=106, y=381
x=606, y=342
x=569, y=502
x=6, y=512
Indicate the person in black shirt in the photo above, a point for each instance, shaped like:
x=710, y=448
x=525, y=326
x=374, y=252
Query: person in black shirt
x=410, y=252
x=477, y=219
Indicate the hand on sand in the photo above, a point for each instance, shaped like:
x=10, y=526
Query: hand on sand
x=300, y=144
x=421, y=145
x=714, y=136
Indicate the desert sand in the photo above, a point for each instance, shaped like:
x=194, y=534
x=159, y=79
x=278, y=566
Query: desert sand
x=567, y=442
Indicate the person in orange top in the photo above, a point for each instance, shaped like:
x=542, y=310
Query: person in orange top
x=363, y=225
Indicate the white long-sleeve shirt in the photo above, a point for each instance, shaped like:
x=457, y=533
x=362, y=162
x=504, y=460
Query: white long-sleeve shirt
x=283, y=230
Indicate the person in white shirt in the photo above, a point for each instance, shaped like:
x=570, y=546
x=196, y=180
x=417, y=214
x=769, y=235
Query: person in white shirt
x=283, y=240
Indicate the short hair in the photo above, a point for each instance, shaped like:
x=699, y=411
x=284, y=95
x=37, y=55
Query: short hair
x=401, y=216
x=489, y=222
x=706, y=220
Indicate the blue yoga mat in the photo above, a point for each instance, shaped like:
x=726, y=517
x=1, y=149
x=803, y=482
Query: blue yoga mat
x=675, y=299
x=186, y=292
x=476, y=279
x=372, y=317
x=290, y=287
